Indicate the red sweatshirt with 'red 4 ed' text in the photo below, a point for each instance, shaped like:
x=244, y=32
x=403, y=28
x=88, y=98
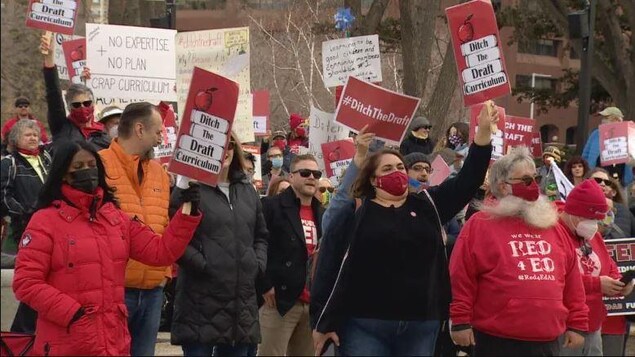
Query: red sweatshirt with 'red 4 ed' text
x=515, y=281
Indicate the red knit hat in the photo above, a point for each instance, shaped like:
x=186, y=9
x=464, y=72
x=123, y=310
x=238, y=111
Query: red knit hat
x=587, y=200
x=295, y=120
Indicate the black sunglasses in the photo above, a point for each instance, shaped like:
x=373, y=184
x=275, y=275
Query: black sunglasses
x=600, y=180
x=528, y=180
x=323, y=189
x=306, y=173
x=86, y=104
x=23, y=106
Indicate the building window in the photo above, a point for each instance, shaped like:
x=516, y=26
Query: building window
x=540, y=47
x=524, y=81
x=571, y=131
x=549, y=133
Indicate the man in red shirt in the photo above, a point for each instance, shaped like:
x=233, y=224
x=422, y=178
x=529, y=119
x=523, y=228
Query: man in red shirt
x=516, y=285
x=23, y=111
x=294, y=220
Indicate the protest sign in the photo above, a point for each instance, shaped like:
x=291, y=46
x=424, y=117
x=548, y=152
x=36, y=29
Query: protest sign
x=478, y=51
x=206, y=127
x=617, y=143
x=623, y=252
x=498, y=136
x=440, y=171
x=261, y=112
x=352, y=56
x=536, y=144
x=518, y=132
x=387, y=114
x=52, y=15
x=226, y=52
x=75, y=55
x=337, y=155
x=323, y=129
x=164, y=151
x=59, y=58
x=255, y=150
x=131, y=62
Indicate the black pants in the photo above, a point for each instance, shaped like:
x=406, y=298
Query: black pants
x=488, y=345
x=25, y=319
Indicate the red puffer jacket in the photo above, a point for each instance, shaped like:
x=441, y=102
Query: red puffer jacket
x=68, y=260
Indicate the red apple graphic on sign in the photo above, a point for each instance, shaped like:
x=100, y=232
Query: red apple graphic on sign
x=334, y=155
x=203, y=100
x=77, y=54
x=466, y=30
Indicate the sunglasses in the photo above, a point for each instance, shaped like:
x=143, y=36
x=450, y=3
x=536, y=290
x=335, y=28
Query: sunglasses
x=21, y=106
x=306, y=173
x=86, y=104
x=600, y=180
x=428, y=127
x=323, y=189
x=527, y=180
x=231, y=145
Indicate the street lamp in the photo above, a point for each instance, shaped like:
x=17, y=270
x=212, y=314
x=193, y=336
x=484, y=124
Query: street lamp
x=533, y=85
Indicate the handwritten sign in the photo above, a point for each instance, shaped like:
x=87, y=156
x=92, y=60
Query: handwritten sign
x=75, y=54
x=261, y=112
x=206, y=127
x=477, y=49
x=337, y=155
x=226, y=52
x=323, y=129
x=387, y=113
x=52, y=15
x=617, y=143
x=353, y=56
x=131, y=62
x=623, y=252
x=255, y=150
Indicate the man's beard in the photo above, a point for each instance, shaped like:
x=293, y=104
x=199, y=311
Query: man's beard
x=540, y=214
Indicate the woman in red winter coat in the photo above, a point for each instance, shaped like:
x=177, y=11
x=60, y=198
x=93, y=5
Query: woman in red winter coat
x=73, y=254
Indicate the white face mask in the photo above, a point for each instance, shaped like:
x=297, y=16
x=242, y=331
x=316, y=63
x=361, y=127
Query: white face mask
x=586, y=229
x=114, y=131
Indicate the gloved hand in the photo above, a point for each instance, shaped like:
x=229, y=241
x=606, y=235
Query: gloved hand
x=193, y=195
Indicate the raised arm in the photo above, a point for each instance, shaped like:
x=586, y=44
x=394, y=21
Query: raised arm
x=56, y=115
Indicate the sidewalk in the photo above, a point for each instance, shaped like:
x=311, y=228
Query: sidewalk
x=164, y=348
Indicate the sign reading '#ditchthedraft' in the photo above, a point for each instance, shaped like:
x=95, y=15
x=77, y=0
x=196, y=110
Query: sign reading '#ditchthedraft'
x=477, y=50
x=52, y=15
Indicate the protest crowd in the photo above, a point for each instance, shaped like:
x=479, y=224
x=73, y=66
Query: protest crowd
x=396, y=242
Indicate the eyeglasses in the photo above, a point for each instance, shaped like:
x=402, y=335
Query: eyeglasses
x=306, y=173
x=323, y=189
x=22, y=106
x=86, y=104
x=231, y=145
x=527, y=180
x=419, y=168
x=601, y=180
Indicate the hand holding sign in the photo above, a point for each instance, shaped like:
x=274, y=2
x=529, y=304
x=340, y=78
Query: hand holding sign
x=487, y=123
x=46, y=48
x=362, y=144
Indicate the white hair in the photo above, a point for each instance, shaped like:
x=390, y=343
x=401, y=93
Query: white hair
x=540, y=214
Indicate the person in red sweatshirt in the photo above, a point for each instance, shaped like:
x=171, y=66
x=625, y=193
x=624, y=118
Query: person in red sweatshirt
x=299, y=134
x=584, y=208
x=516, y=285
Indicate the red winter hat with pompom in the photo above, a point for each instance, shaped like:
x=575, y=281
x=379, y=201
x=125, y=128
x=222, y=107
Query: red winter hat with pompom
x=587, y=200
x=295, y=120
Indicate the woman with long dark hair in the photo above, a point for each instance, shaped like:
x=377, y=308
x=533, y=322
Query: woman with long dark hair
x=576, y=169
x=215, y=308
x=73, y=254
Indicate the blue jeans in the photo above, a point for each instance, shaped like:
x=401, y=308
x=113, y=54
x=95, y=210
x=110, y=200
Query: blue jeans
x=144, y=317
x=373, y=337
x=203, y=349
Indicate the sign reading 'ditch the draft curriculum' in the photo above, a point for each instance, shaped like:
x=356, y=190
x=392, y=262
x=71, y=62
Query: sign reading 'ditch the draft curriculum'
x=52, y=15
x=205, y=128
x=163, y=152
x=617, y=143
x=623, y=252
x=75, y=54
x=387, y=114
x=131, y=62
x=478, y=51
x=352, y=56
x=519, y=131
x=337, y=156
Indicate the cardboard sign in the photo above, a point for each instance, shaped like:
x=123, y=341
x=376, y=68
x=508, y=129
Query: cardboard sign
x=478, y=51
x=57, y=16
x=440, y=171
x=337, y=156
x=164, y=151
x=205, y=128
x=352, y=56
x=255, y=150
x=131, y=62
x=323, y=129
x=617, y=143
x=223, y=51
x=75, y=55
x=536, y=145
x=498, y=137
x=623, y=252
x=387, y=114
x=261, y=112
x=518, y=132
x=59, y=58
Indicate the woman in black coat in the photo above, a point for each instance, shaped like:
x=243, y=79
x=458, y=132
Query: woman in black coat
x=215, y=307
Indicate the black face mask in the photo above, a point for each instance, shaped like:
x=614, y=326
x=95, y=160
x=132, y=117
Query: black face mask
x=85, y=180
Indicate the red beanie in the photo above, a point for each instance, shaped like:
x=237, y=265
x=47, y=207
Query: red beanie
x=587, y=200
x=295, y=120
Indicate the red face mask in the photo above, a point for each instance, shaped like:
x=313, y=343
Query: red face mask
x=280, y=144
x=34, y=152
x=395, y=183
x=300, y=131
x=528, y=193
x=82, y=115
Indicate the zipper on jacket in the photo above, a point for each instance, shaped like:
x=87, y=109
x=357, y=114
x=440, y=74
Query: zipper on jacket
x=47, y=349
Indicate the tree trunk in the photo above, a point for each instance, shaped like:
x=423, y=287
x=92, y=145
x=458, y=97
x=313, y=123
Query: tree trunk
x=124, y=12
x=438, y=106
